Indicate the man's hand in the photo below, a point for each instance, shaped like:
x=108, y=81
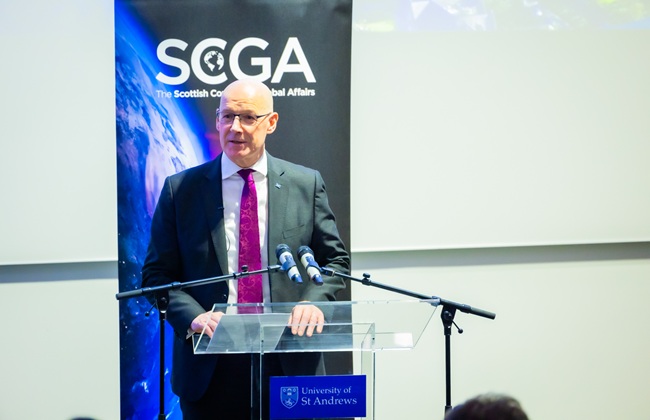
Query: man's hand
x=209, y=320
x=306, y=318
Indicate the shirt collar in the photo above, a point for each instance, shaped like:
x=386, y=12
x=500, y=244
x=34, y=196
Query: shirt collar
x=230, y=168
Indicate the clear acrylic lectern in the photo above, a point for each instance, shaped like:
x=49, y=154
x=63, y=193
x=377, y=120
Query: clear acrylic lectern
x=363, y=327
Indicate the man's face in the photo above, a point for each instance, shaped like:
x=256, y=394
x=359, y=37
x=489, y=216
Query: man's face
x=243, y=142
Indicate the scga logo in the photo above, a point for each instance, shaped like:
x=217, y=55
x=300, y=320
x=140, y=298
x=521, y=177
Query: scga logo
x=214, y=59
x=289, y=396
x=210, y=52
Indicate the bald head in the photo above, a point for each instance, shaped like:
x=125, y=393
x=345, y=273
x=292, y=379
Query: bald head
x=248, y=91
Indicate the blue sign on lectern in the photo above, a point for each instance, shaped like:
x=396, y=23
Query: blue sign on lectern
x=330, y=396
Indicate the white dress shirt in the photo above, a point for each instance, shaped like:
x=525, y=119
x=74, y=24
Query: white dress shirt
x=232, y=186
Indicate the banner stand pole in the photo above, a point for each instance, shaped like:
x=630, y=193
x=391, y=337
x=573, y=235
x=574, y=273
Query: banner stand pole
x=162, y=302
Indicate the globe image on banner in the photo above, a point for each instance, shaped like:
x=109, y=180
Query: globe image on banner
x=155, y=138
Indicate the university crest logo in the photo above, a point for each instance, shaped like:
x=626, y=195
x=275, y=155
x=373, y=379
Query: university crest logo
x=289, y=396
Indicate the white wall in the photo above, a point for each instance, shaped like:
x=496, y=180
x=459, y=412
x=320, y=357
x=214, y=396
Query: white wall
x=57, y=132
x=569, y=340
x=60, y=352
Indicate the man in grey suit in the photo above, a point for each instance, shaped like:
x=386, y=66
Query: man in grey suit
x=194, y=235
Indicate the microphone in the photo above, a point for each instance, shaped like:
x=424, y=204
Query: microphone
x=283, y=252
x=306, y=256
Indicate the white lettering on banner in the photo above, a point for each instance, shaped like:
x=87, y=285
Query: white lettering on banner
x=161, y=52
x=263, y=62
x=194, y=93
x=301, y=92
x=197, y=56
x=208, y=52
x=293, y=46
x=215, y=93
x=293, y=92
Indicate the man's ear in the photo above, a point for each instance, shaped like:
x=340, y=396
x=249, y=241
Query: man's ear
x=273, y=122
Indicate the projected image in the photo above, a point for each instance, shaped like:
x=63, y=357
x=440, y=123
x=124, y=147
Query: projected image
x=490, y=15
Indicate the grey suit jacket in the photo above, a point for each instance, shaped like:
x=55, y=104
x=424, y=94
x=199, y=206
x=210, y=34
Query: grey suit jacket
x=188, y=243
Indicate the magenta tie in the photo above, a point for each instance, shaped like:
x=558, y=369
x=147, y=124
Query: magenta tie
x=249, y=289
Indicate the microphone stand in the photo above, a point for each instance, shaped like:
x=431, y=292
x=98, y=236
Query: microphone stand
x=447, y=315
x=161, y=296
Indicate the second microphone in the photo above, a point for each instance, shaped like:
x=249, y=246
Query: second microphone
x=283, y=252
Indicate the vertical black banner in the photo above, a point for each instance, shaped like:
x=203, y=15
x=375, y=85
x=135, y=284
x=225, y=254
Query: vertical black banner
x=173, y=59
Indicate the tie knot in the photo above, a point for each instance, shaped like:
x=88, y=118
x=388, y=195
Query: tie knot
x=247, y=174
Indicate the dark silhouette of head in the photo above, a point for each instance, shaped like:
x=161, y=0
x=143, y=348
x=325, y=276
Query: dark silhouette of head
x=488, y=407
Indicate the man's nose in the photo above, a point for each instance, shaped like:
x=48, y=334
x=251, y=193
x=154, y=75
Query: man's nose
x=236, y=124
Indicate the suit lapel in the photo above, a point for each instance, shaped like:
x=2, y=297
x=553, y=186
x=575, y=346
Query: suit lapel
x=213, y=205
x=278, y=196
